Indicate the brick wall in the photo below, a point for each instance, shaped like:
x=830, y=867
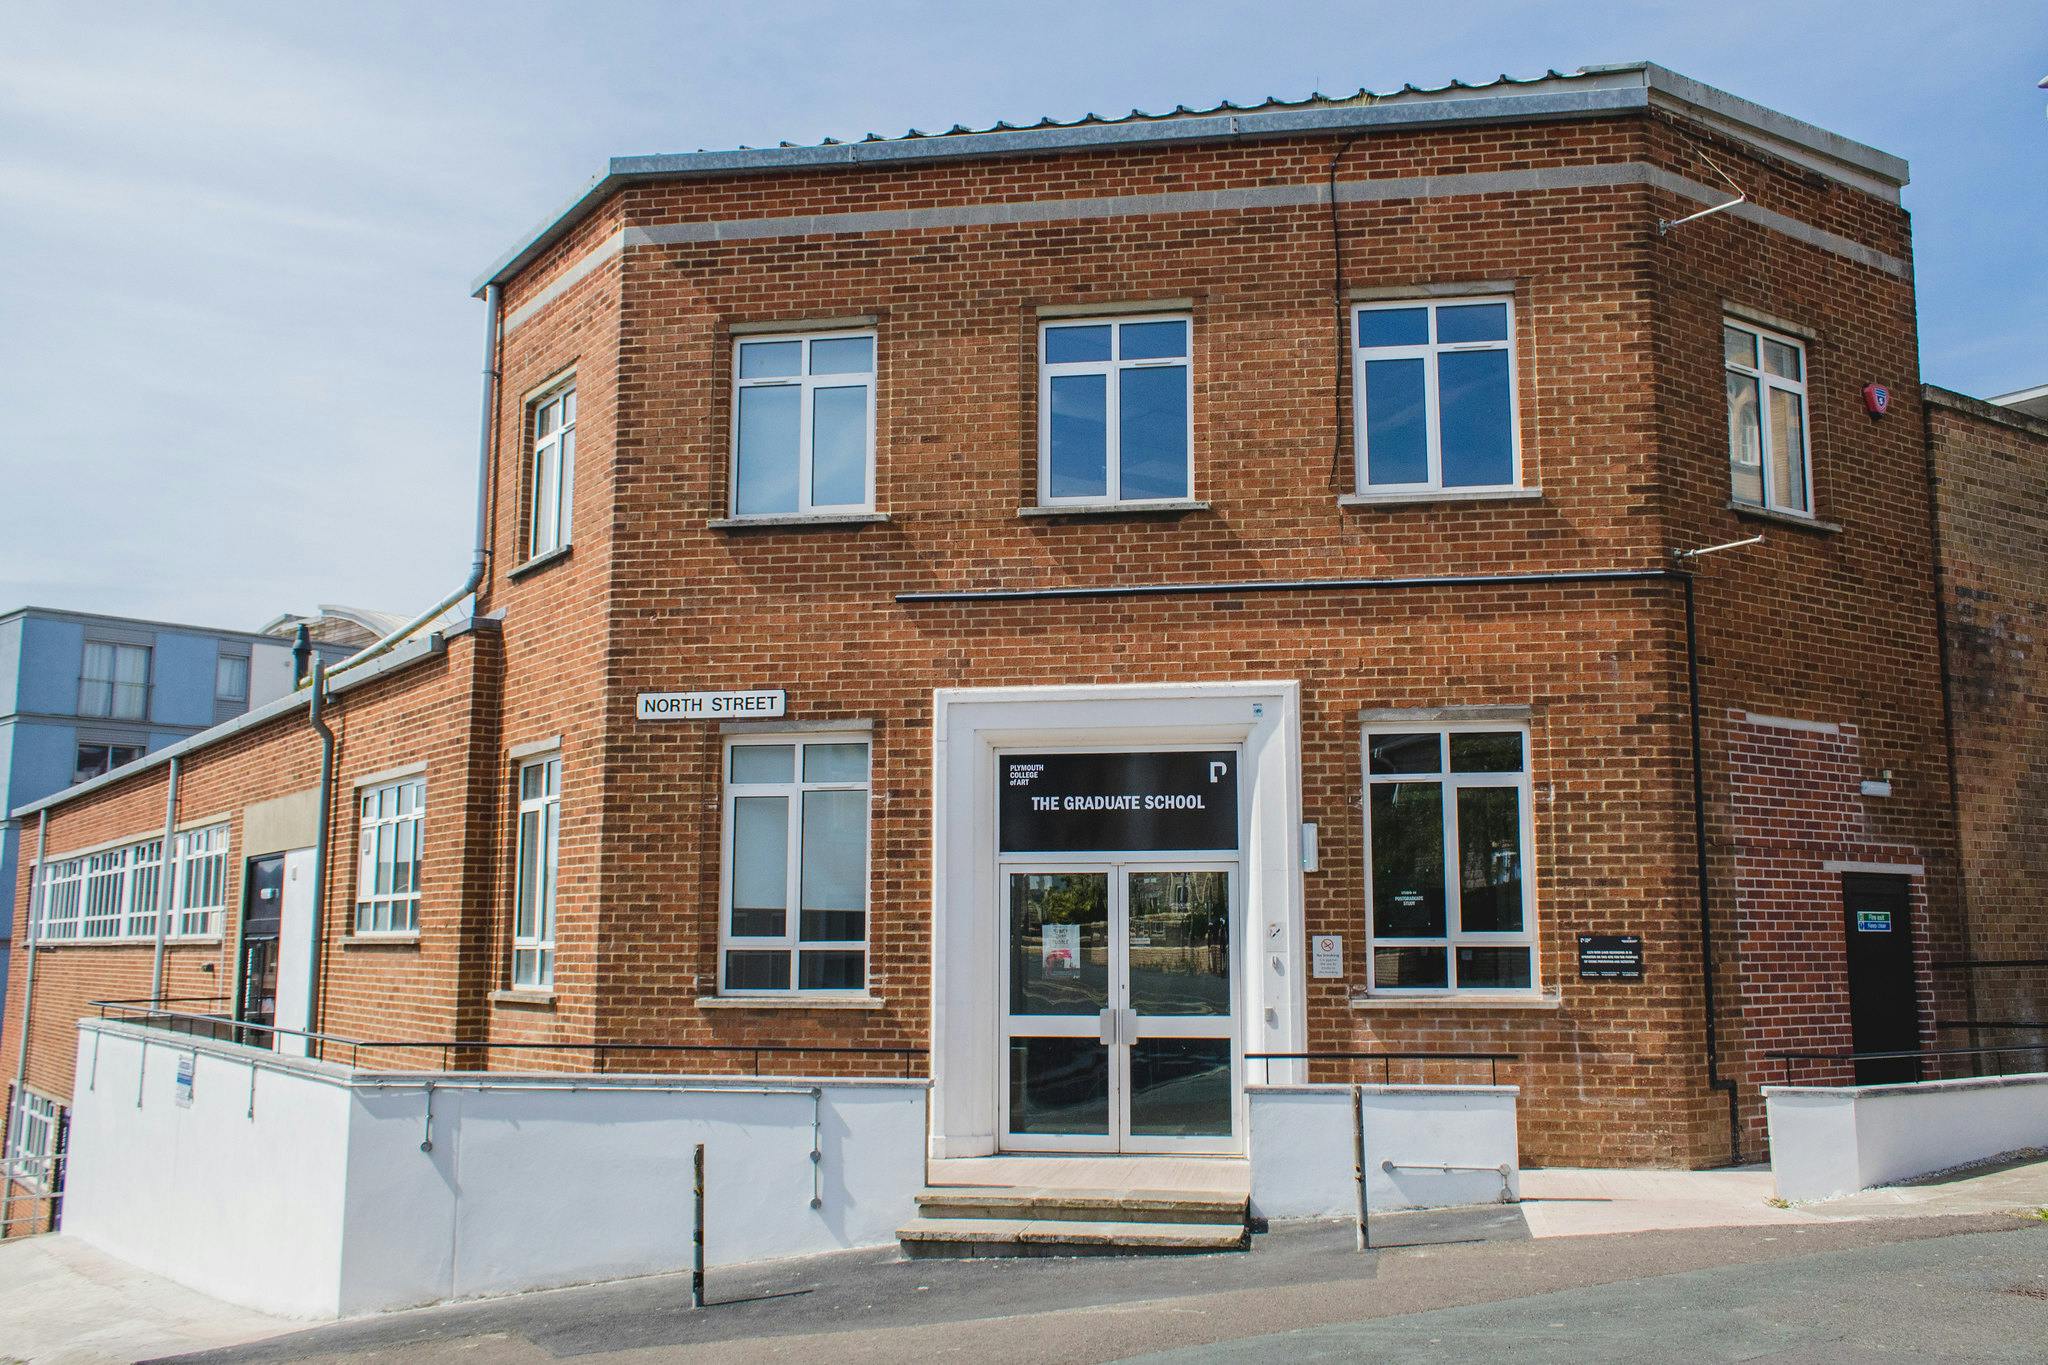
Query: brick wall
x=1990, y=475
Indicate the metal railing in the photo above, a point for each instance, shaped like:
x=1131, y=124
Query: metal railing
x=1918, y=1056
x=334, y=1047
x=1491, y=1060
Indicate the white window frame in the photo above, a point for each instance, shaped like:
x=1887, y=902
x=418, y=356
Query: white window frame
x=791, y=941
x=109, y=745
x=111, y=895
x=32, y=1128
x=1766, y=381
x=199, y=895
x=533, y=949
x=1429, y=353
x=390, y=912
x=808, y=384
x=1112, y=395
x=112, y=683
x=549, y=526
x=1454, y=936
x=220, y=662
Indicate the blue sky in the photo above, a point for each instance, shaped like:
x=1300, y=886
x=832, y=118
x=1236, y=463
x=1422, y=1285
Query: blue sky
x=238, y=357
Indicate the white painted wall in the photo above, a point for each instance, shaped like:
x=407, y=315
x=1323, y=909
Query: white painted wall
x=1303, y=1154
x=1831, y=1140
x=323, y=1202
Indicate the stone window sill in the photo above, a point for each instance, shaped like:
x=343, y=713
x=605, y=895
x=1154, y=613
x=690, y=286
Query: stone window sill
x=1457, y=1002
x=539, y=562
x=542, y=1000
x=1438, y=496
x=790, y=523
x=1151, y=507
x=1792, y=519
x=791, y=1001
x=381, y=941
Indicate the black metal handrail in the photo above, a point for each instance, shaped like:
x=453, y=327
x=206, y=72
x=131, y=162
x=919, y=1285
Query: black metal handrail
x=1915, y=1055
x=1387, y=1059
x=215, y=1026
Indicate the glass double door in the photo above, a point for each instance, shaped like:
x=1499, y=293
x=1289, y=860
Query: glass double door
x=1119, y=1024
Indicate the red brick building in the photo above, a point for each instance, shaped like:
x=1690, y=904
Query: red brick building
x=1117, y=564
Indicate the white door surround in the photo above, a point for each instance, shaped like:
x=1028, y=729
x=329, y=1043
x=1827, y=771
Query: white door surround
x=1262, y=719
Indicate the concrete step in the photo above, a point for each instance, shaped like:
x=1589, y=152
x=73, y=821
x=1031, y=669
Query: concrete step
x=968, y=1237
x=1081, y=1206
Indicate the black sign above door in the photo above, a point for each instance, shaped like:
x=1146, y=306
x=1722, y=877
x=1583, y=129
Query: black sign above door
x=1099, y=802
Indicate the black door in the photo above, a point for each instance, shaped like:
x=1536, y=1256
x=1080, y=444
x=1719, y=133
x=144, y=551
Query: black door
x=262, y=907
x=1884, y=1005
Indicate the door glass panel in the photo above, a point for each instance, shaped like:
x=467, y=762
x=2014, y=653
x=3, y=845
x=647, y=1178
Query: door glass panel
x=1059, y=1085
x=1059, y=943
x=1180, y=1087
x=1180, y=943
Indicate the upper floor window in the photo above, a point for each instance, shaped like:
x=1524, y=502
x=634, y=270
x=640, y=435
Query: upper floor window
x=1114, y=420
x=200, y=893
x=1434, y=390
x=1448, y=828
x=1767, y=445
x=554, y=470
x=113, y=681
x=112, y=894
x=533, y=896
x=803, y=425
x=796, y=821
x=96, y=758
x=231, y=678
x=388, y=857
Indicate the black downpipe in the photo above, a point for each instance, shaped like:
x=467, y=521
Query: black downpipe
x=1715, y=1080
x=316, y=716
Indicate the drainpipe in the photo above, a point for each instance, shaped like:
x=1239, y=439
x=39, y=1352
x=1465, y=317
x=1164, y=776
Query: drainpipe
x=164, y=879
x=1715, y=1080
x=480, y=556
x=36, y=891
x=316, y=715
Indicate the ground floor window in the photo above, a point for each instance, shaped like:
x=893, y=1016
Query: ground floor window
x=533, y=905
x=796, y=839
x=388, y=855
x=32, y=1139
x=1447, y=821
x=200, y=893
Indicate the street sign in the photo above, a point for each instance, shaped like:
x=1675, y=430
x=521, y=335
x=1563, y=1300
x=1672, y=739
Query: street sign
x=765, y=704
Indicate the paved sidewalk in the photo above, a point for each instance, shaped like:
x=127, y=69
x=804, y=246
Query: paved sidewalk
x=62, y=1301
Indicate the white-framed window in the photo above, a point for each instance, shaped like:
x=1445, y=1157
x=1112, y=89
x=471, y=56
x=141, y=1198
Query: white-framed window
x=102, y=897
x=1769, y=456
x=231, y=678
x=113, y=681
x=533, y=897
x=1433, y=388
x=95, y=758
x=795, y=889
x=1448, y=828
x=199, y=893
x=1115, y=417
x=391, y=843
x=803, y=424
x=32, y=1130
x=554, y=470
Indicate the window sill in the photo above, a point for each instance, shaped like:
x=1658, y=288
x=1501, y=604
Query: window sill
x=381, y=941
x=1152, y=506
x=1457, y=1002
x=539, y=562
x=792, y=1001
x=799, y=522
x=540, y=1000
x=170, y=941
x=1427, y=496
x=1793, y=519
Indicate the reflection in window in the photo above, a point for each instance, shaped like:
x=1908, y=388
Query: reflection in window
x=1113, y=411
x=1434, y=391
x=803, y=424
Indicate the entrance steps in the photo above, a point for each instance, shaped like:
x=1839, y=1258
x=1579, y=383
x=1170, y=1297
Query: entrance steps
x=963, y=1221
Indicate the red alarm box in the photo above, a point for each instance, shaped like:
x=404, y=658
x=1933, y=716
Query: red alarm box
x=1876, y=399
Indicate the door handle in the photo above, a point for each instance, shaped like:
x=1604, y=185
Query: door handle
x=1106, y=1025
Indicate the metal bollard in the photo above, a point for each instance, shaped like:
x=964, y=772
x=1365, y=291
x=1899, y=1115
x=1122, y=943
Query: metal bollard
x=697, y=1235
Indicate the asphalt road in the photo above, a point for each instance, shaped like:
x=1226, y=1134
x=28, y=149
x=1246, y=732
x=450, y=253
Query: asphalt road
x=1465, y=1286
